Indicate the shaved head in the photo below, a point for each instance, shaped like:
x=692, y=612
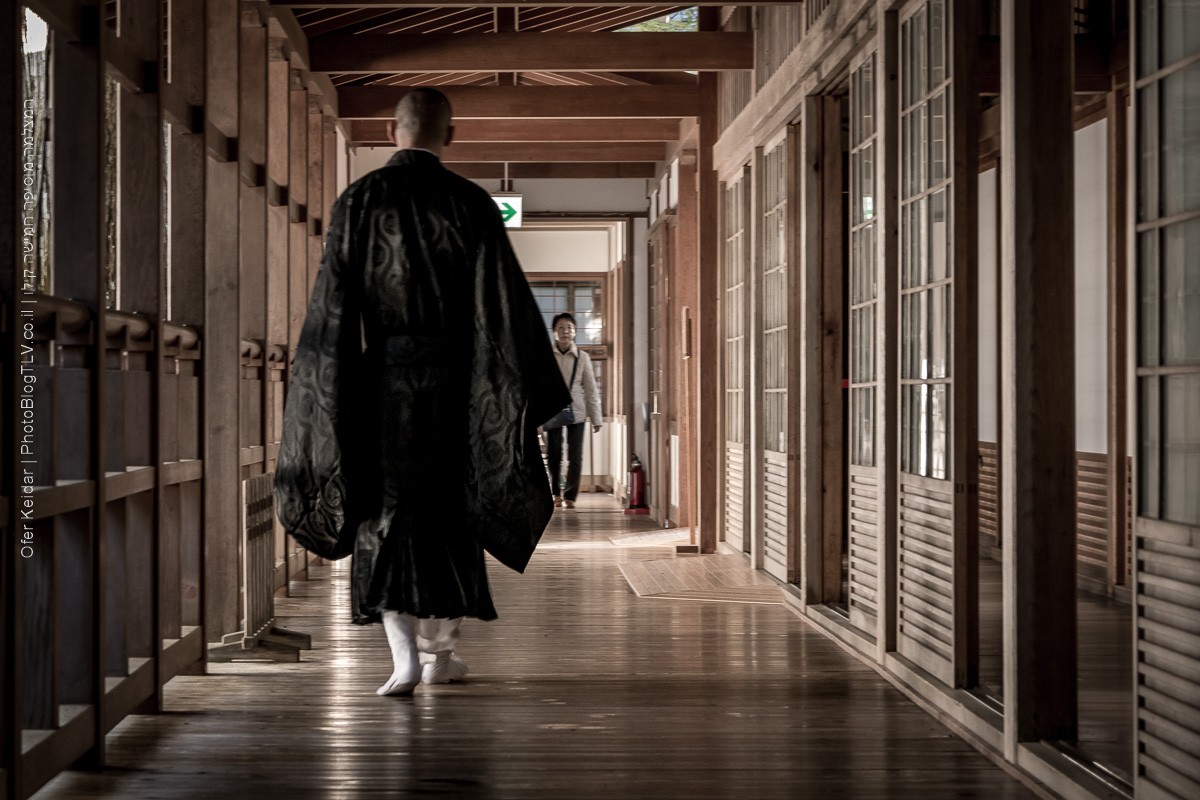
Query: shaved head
x=423, y=120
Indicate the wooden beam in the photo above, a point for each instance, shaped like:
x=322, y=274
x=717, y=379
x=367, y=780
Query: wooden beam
x=587, y=102
x=355, y=4
x=1093, y=67
x=597, y=169
x=555, y=151
x=374, y=132
x=531, y=52
x=1118, y=336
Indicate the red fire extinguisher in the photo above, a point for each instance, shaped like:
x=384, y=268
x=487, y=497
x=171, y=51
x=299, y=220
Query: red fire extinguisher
x=636, y=482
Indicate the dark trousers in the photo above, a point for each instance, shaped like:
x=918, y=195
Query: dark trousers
x=554, y=443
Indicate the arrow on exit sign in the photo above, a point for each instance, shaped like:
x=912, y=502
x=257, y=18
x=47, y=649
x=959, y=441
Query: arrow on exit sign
x=510, y=208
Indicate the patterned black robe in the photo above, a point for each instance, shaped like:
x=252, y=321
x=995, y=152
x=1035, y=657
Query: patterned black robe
x=422, y=371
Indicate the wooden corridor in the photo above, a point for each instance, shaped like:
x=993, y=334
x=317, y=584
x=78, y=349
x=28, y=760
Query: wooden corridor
x=580, y=690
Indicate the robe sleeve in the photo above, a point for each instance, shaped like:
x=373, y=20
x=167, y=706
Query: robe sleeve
x=515, y=386
x=314, y=487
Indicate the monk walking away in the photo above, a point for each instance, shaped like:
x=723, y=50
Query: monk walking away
x=422, y=372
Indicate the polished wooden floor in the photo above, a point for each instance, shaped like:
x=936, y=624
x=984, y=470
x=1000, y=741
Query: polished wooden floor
x=582, y=689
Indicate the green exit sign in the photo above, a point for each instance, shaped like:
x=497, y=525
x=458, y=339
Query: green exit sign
x=510, y=208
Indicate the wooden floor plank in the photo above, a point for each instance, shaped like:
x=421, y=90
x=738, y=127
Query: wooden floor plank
x=580, y=690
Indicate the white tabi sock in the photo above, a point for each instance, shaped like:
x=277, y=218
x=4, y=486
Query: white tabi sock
x=401, y=636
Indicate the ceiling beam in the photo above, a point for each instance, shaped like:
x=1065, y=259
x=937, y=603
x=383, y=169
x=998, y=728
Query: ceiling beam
x=531, y=52
x=373, y=132
x=596, y=169
x=351, y=4
x=591, y=102
x=555, y=151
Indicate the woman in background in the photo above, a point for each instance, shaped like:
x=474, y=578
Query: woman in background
x=585, y=402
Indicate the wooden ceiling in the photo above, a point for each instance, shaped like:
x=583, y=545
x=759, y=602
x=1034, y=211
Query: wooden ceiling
x=557, y=90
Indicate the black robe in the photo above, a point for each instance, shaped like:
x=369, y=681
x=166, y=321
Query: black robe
x=422, y=372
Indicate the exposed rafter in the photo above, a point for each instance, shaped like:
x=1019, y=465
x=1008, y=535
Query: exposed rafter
x=510, y=3
x=555, y=151
x=527, y=52
x=373, y=132
x=507, y=102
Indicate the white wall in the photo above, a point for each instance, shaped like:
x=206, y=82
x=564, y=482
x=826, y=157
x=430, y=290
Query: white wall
x=551, y=250
x=989, y=354
x=1091, y=289
x=1091, y=294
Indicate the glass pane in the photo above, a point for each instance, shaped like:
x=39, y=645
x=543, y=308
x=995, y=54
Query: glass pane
x=1181, y=449
x=921, y=241
x=1148, y=299
x=920, y=55
x=937, y=42
x=939, y=422
x=905, y=60
x=937, y=139
x=867, y=183
x=939, y=332
x=1180, y=30
x=1181, y=294
x=1148, y=437
x=867, y=92
x=920, y=152
x=939, y=238
x=1147, y=153
x=1180, y=119
x=1148, y=37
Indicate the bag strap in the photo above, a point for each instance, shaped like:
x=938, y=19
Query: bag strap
x=574, y=369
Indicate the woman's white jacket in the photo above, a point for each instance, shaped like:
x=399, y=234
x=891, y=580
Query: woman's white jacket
x=585, y=394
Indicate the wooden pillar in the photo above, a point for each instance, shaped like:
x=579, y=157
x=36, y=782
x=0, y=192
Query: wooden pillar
x=1118, y=336
x=1037, y=329
x=315, y=170
x=10, y=248
x=832, y=275
x=278, y=142
x=252, y=157
x=187, y=166
x=687, y=266
x=887, y=327
x=298, y=285
x=963, y=208
x=140, y=289
x=756, y=473
x=77, y=240
x=222, y=363
x=806, y=341
x=707, y=326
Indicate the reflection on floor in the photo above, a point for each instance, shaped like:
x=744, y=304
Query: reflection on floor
x=580, y=690
x=1106, y=703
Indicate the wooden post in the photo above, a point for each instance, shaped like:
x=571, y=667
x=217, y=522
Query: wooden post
x=1118, y=336
x=710, y=450
x=686, y=267
x=298, y=285
x=222, y=362
x=77, y=236
x=963, y=209
x=11, y=53
x=795, y=164
x=140, y=282
x=806, y=340
x=832, y=332
x=1037, y=261
x=887, y=328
